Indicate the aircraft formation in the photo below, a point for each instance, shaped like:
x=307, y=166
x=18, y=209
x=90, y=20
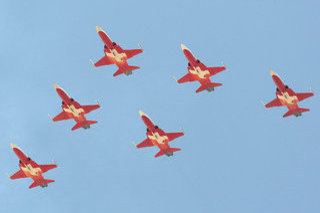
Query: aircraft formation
x=114, y=54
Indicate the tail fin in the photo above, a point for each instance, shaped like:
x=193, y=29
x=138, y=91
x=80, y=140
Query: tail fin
x=208, y=86
x=40, y=182
x=83, y=124
x=126, y=69
x=296, y=111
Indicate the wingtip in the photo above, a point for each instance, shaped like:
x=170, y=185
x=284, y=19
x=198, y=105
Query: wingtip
x=8, y=176
x=175, y=79
x=224, y=65
x=54, y=162
x=55, y=85
x=50, y=118
x=311, y=90
x=140, y=46
x=98, y=103
x=134, y=144
x=12, y=145
x=92, y=63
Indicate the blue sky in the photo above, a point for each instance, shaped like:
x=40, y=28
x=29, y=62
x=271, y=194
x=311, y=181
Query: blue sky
x=236, y=156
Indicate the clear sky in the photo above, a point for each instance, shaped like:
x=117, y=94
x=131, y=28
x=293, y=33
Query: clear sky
x=236, y=156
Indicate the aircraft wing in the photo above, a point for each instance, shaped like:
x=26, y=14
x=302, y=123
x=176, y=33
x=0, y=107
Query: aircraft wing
x=118, y=48
x=103, y=61
x=131, y=53
x=215, y=70
x=302, y=96
x=146, y=143
x=174, y=135
x=187, y=78
x=275, y=103
x=45, y=168
x=202, y=66
x=89, y=108
x=18, y=174
x=62, y=116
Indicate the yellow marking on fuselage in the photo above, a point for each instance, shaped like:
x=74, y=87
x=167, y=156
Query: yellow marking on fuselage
x=160, y=139
x=287, y=98
x=71, y=109
x=29, y=169
x=201, y=73
x=115, y=55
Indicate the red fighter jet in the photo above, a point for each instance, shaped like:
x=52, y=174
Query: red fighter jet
x=29, y=168
x=157, y=137
x=72, y=109
x=114, y=54
x=199, y=72
x=287, y=97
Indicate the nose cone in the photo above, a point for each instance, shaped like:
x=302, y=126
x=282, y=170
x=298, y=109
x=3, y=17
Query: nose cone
x=183, y=47
x=56, y=86
x=98, y=29
x=13, y=146
x=141, y=113
x=272, y=73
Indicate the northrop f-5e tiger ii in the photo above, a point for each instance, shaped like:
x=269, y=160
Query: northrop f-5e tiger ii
x=197, y=71
x=157, y=137
x=114, y=54
x=73, y=110
x=29, y=168
x=287, y=97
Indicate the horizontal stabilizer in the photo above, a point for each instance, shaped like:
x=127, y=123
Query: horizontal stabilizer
x=126, y=69
x=163, y=152
x=303, y=110
x=160, y=153
x=208, y=86
x=173, y=149
x=290, y=112
x=79, y=125
x=40, y=182
x=296, y=111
